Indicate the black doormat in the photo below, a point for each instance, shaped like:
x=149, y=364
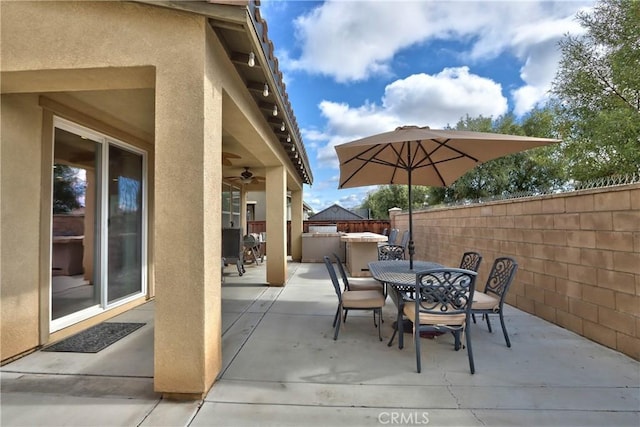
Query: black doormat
x=95, y=338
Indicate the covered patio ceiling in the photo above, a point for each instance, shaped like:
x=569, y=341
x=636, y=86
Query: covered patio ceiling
x=243, y=34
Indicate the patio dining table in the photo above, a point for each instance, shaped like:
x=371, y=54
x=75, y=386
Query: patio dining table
x=400, y=280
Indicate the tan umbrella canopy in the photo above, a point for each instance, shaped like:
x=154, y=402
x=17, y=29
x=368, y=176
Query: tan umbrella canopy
x=415, y=155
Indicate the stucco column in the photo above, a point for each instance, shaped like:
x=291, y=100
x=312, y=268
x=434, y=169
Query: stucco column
x=276, y=201
x=188, y=179
x=296, y=225
x=243, y=211
x=392, y=216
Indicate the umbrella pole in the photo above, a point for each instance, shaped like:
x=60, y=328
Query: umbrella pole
x=409, y=171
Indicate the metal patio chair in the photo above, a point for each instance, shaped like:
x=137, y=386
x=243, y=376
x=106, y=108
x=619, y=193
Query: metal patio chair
x=358, y=284
x=354, y=300
x=491, y=301
x=442, y=303
x=390, y=252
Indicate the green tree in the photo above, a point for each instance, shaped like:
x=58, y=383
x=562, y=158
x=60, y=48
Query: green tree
x=598, y=88
x=65, y=189
x=537, y=170
x=389, y=196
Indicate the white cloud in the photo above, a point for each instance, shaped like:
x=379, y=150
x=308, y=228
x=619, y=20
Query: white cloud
x=536, y=45
x=442, y=99
x=421, y=99
x=354, y=40
x=351, y=40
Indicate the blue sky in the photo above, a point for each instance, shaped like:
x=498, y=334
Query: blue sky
x=357, y=68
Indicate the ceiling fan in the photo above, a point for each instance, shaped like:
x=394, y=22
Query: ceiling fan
x=246, y=177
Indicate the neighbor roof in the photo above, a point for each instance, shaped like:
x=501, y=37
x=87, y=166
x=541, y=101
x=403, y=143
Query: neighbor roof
x=335, y=213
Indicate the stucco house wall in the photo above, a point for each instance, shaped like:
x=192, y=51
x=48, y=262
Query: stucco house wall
x=73, y=59
x=152, y=49
x=19, y=264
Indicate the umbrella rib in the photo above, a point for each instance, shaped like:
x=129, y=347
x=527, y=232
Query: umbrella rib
x=399, y=162
x=427, y=156
x=434, y=164
x=371, y=159
x=461, y=153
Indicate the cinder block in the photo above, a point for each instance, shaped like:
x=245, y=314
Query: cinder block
x=596, y=221
x=556, y=269
x=554, y=237
x=525, y=304
x=581, y=239
x=612, y=200
x=599, y=296
x=583, y=309
x=534, y=293
x=555, y=300
x=524, y=249
x=569, y=321
x=582, y=274
x=544, y=282
x=627, y=261
x=615, y=240
x=553, y=205
x=617, y=321
x=634, y=195
x=514, y=208
x=545, y=311
x=579, y=203
x=543, y=221
x=628, y=345
x=626, y=221
x=599, y=333
x=596, y=258
x=532, y=207
x=533, y=264
x=567, y=254
x=569, y=221
x=617, y=281
x=569, y=288
x=628, y=304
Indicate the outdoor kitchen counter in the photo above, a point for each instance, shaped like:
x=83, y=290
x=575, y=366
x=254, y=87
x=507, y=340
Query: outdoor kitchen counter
x=362, y=248
x=316, y=245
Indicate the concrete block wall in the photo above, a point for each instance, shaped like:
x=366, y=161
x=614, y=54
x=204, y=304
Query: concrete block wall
x=578, y=255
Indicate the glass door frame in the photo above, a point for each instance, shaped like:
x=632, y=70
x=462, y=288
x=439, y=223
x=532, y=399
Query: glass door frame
x=101, y=236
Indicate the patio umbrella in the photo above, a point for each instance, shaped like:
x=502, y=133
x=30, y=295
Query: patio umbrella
x=415, y=155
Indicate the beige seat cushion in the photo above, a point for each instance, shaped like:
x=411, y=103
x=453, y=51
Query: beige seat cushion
x=362, y=299
x=433, y=319
x=365, y=285
x=482, y=301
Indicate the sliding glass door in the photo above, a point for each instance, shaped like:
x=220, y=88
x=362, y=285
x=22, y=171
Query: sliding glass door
x=124, y=224
x=99, y=223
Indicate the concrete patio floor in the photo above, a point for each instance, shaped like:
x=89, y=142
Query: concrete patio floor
x=281, y=367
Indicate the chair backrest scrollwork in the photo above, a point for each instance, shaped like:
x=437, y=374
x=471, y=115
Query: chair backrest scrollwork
x=445, y=291
x=471, y=261
x=501, y=276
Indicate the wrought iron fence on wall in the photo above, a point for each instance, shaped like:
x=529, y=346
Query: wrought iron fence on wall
x=610, y=181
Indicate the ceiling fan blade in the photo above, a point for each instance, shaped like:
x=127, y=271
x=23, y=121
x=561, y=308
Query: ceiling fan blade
x=226, y=156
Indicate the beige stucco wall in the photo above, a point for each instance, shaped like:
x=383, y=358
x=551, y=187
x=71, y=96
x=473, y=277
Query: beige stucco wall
x=578, y=255
x=20, y=238
x=114, y=38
